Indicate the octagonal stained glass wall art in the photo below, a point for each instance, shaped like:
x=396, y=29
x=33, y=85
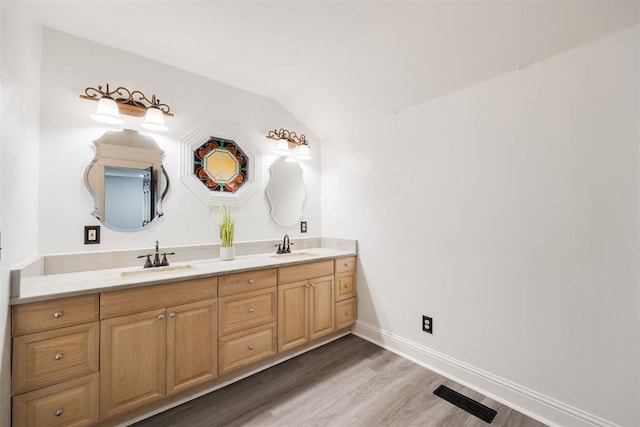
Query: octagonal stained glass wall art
x=221, y=165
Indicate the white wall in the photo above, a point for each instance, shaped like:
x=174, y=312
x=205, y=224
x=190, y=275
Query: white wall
x=508, y=212
x=69, y=65
x=19, y=111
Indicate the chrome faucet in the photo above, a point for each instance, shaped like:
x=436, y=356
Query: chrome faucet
x=156, y=258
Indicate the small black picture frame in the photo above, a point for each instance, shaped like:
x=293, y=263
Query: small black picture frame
x=91, y=234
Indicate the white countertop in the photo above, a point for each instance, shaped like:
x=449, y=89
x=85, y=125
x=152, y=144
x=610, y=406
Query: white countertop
x=52, y=286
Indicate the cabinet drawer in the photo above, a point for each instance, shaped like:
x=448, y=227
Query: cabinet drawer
x=49, y=357
x=345, y=287
x=310, y=270
x=58, y=313
x=73, y=403
x=233, y=284
x=347, y=264
x=345, y=313
x=244, y=311
x=130, y=301
x=245, y=348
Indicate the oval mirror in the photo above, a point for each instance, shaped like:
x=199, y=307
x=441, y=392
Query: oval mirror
x=127, y=180
x=286, y=192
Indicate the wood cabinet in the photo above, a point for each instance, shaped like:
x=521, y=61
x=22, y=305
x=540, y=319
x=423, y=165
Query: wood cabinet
x=345, y=313
x=71, y=403
x=247, y=320
x=192, y=352
x=179, y=345
x=55, y=362
x=345, y=292
x=132, y=361
x=48, y=357
x=53, y=314
x=305, y=306
x=83, y=360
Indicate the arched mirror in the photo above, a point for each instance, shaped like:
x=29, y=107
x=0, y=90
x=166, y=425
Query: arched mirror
x=127, y=180
x=286, y=192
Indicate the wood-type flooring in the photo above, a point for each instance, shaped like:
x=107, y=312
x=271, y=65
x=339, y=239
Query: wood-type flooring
x=348, y=382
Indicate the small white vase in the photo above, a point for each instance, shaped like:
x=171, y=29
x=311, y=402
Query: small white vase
x=227, y=254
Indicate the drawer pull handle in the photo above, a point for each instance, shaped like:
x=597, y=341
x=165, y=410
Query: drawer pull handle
x=58, y=356
x=161, y=316
x=250, y=347
x=251, y=310
x=57, y=314
x=251, y=281
x=58, y=412
x=172, y=315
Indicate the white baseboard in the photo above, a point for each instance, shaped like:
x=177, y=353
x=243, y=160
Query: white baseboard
x=529, y=402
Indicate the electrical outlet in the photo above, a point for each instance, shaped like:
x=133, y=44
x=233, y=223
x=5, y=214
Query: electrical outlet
x=427, y=324
x=91, y=234
x=303, y=226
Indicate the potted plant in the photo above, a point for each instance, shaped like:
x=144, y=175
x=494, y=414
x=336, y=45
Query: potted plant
x=227, y=251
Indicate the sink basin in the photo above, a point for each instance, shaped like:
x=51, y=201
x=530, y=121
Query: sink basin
x=293, y=255
x=156, y=270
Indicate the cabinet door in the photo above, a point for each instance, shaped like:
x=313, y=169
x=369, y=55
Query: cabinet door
x=244, y=311
x=293, y=319
x=247, y=347
x=47, y=358
x=191, y=345
x=132, y=361
x=70, y=404
x=320, y=307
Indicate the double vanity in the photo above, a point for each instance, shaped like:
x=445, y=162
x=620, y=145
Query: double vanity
x=112, y=344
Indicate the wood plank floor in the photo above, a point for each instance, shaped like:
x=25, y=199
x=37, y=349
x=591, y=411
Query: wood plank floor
x=349, y=382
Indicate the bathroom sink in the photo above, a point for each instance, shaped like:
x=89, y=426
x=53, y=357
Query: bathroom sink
x=293, y=255
x=155, y=270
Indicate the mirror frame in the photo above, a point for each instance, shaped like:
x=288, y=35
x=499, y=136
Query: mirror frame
x=131, y=150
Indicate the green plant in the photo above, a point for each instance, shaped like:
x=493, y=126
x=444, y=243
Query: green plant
x=226, y=227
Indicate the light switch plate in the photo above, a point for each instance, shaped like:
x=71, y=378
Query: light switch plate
x=91, y=234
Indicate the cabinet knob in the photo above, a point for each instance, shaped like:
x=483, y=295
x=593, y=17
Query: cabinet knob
x=251, y=310
x=172, y=315
x=307, y=285
x=250, y=347
x=58, y=412
x=57, y=314
x=346, y=265
x=346, y=286
x=251, y=281
x=58, y=356
x=346, y=315
x=161, y=316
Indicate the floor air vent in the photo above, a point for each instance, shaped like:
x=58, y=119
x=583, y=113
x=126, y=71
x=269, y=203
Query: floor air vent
x=463, y=402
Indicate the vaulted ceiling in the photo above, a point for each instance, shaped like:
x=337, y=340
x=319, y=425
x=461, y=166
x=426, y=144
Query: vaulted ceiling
x=336, y=63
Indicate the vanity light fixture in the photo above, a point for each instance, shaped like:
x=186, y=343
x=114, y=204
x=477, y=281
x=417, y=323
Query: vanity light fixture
x=112, y=103
x=289, y=143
